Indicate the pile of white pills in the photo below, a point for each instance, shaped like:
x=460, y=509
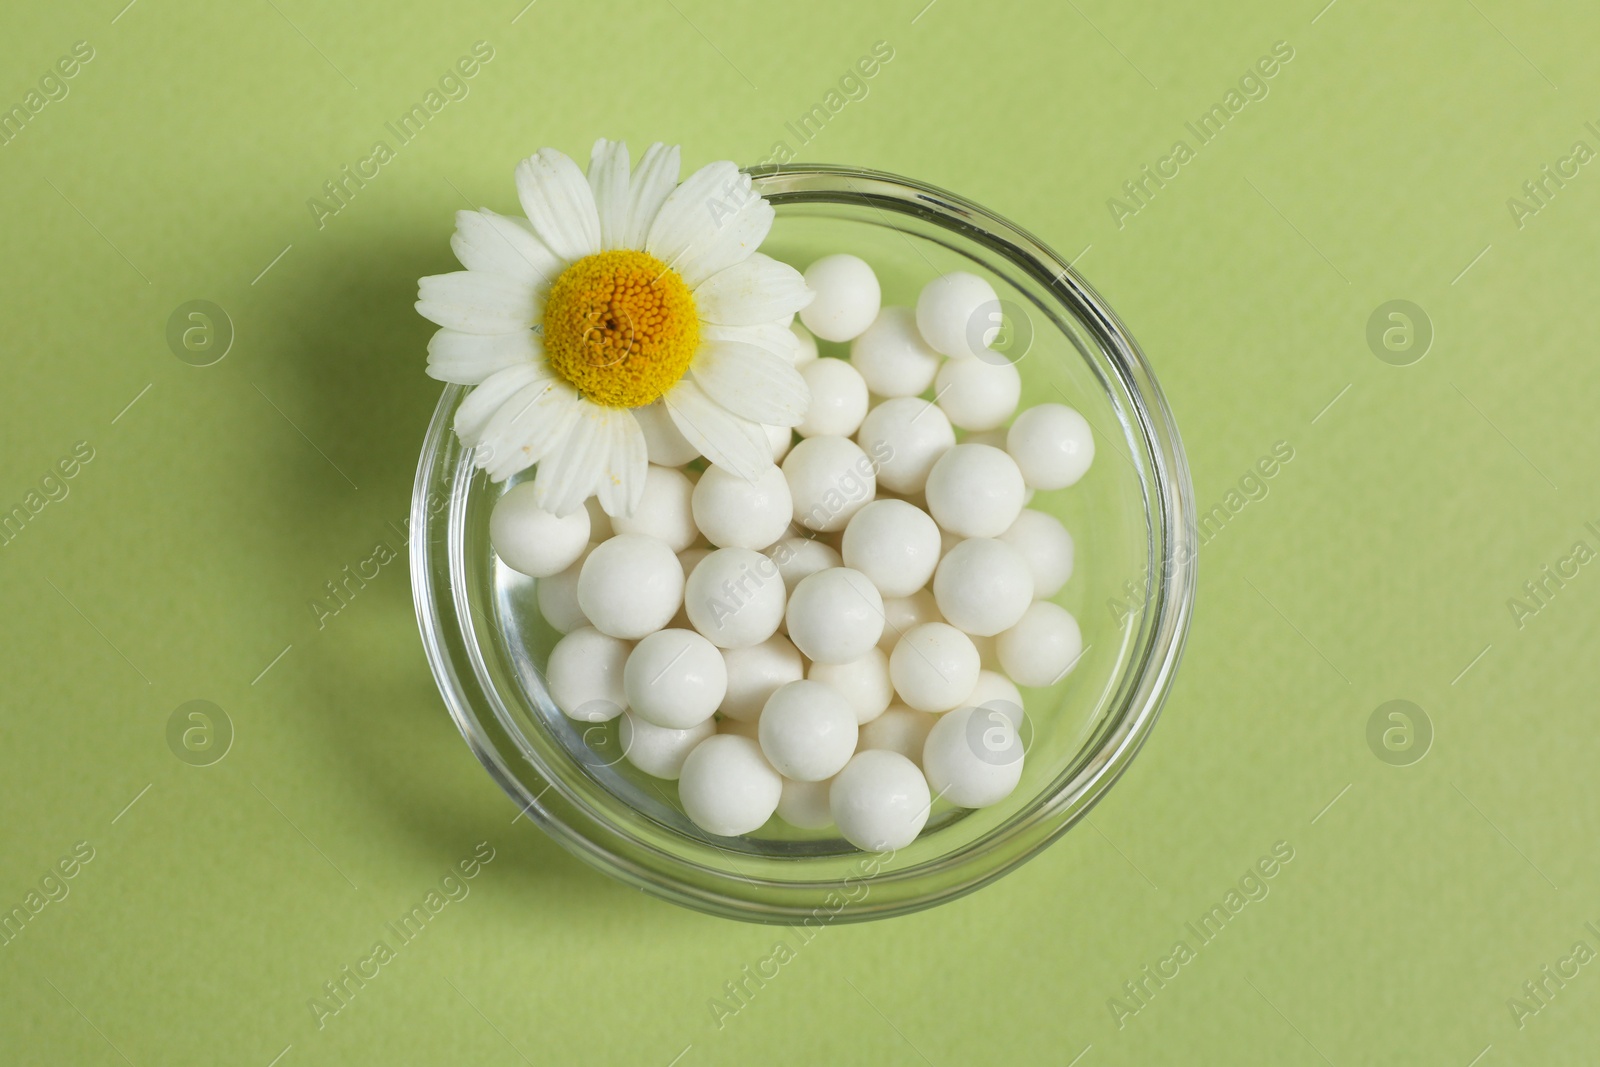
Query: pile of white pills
x=838, y=643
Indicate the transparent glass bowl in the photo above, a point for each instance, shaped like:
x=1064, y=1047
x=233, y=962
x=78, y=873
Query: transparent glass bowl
x=1131, y=592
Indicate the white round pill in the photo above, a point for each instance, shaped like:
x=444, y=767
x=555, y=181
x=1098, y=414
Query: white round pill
x=863, y=682
x=934, y=666
x=902, y=613
x=665, y=509
x=838, y=399
x=958, y=314
x=664, y=443
x=835, y=615
x=975, y=491
x=781, y=438
x=880, y=801
x=585, y=675
x=630, y=586
x=905, y=436
x=895, y=544
x=899, y=729
x=805, y=804
x=978, y=394
x=755, y=673
x=973, y=757
x=735, y=512
x=727, y=786
x=983, y=586
x=657, y=750
x=1048, y=548
x=798, y=557
x=735, y=597
x=1052, y=444
x=807, y=731
x=675, y=679
x=847, y=297
x=830, y=479
x=531, y=540
x=557, y=597
x=1043, y=647
x=892, y=357
x=997, y=693
x=806, y=351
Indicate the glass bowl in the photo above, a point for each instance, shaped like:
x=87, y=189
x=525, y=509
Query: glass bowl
x=1131, y=591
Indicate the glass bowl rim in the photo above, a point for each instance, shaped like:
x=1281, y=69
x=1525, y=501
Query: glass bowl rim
x=1163, y=620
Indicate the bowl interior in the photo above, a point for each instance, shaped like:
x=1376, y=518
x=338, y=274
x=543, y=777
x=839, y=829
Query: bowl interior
x=571, y=776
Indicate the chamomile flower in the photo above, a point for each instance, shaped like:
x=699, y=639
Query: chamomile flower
x=622, y=294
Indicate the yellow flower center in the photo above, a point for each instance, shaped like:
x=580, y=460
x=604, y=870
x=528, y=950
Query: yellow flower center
x=621, y=327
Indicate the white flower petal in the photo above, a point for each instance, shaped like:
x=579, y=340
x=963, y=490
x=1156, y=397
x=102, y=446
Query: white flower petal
x=652, y=182
x=731, y=442
x=710, y=222
x=569, y=474
x=556, y=197
x=750, y=382
x=622, y=482
x=500, y=244
x=471, y=302
x=758, y=290
x=608, y=179
x=469, y=358
x=528, y=426
x=773, y=337
x=481, y=404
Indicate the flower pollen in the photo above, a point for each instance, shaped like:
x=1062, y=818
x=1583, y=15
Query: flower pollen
x=621, y=327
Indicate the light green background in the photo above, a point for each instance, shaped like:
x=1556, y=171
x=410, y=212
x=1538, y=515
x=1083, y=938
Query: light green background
x=1378, y=567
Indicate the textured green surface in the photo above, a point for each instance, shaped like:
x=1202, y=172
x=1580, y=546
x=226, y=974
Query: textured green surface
x=1378, y=567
